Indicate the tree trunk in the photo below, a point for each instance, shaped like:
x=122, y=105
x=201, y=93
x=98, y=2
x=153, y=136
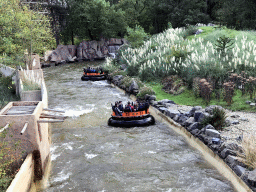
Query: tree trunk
x=72, y=36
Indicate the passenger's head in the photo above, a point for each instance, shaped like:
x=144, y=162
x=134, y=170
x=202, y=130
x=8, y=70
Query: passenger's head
x=129, y=103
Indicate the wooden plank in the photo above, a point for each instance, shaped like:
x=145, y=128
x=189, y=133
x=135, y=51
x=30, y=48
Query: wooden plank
x=52, y=116
x=46, y=109
x=50, y=121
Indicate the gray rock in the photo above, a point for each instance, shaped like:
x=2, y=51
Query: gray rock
x=244, y=119
x=252, y=104
x=225, y=152
x=234, y=116
x=169, y=105
x=192, y=111
x=239, y=170
x=147, y=96
x=154, y=103
x=197, y=115
x=248, y=102
x=227, y=122
x=210, y=108
x=117, y=79
x=172, y=102
x=199, y=31
x=193, y=126
x=235, y=147
x=235, y=122
x=231, y=160
x=252, y=178
x=163, y=109
x=176, y=118
x=195, y=132
x=163, y=101
x=212, y=133
x=152, y=97
x=202, y=116
x=210, y=24
x=133, y=87
x=216, y=141
x=209, y=126
x=172, y=113
x=189, y=121
x=182, y=119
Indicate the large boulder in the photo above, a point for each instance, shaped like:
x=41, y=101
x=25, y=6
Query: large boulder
x=189, y=121
x=172, y=113
x=134, y=87
x=252, y=178
x=117, y=79
x=72, y=50
x=212, y=133
x=193, y=126
x=202, y=116
x=197, y=114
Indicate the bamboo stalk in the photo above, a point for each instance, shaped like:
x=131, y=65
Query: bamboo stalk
x=5, y=127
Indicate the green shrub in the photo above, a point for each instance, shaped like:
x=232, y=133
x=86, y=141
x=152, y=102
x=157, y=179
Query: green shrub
x=217, y=119
x=145, y=90
x=189, y=30
x=137, y=36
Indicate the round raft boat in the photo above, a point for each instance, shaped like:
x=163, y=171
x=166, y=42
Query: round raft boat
x=132, y=119
x=94, y=76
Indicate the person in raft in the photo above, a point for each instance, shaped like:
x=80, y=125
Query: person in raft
x=129, y=107
x=116, y=109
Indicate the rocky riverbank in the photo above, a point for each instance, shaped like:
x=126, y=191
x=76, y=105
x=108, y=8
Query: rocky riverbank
x=227, y=143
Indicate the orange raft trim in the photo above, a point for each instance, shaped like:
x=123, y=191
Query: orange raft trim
x=93, y=74
x=132, y=114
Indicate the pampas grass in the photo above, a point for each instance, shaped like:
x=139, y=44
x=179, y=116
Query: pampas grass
x=248, y=156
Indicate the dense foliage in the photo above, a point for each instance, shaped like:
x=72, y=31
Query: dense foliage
x=22, y=29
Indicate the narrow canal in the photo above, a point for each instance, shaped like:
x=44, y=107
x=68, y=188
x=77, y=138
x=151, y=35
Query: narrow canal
x=88, y=155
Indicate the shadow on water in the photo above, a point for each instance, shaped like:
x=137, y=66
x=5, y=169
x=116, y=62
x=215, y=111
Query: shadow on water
x=88, y=155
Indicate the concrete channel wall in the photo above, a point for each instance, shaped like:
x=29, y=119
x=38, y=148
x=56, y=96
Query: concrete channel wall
x=32, y=133
x=207, y=153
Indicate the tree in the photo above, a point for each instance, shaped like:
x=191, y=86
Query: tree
x=237, y=14
x=22, y=29
x=94, y=19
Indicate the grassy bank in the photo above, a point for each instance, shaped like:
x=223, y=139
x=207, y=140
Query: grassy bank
x=188, y=98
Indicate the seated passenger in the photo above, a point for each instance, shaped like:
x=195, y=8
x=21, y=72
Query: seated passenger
x=129, y=107
x=120, y=106
x=116, y=110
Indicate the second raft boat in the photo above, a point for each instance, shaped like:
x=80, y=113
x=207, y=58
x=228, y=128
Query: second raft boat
x=132, y=119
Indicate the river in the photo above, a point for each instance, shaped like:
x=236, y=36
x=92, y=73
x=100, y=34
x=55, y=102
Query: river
x=88, y=155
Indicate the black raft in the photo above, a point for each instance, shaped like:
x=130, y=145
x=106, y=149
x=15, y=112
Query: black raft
x=91, y=74
x=131, y=119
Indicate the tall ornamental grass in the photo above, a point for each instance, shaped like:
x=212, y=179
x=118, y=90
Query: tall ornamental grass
x=169, y=53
